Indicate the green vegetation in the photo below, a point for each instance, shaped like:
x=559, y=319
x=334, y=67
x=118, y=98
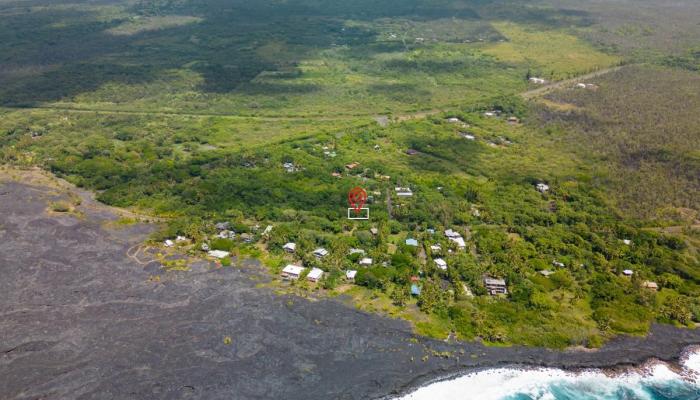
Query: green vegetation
x=249, y=113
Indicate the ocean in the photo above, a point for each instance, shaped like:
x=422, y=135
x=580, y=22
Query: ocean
x=654, y=381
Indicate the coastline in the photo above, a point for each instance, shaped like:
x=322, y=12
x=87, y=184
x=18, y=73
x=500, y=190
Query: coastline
x=71, y=276
x=649, y=369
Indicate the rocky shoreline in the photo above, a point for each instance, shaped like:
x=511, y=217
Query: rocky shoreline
x=83, y=319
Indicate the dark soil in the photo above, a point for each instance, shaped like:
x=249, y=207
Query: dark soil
x=79, y=319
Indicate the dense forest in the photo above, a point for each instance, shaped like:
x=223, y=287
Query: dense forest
x=265, y=114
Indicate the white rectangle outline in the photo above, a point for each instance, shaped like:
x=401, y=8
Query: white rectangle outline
x=357, y=218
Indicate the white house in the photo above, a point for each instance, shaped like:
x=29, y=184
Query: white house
x=468, y=136
x=292, y=272
x=403, y=192
x=315, y=275
x=460, y=242
x=558, y=264
x=169, y=243
x=181, y=239
x=538, y=81
x=442, y=264
x=205, y=247
x=357, y=251
x=412, y=242
x=452, y=234
x=350, y=274
x=218, y=254
x=542, y=187
x=546, y=272
x=628, y=272
x=290, y=247
x=320, y=252
x=580, y=85
x=366, y=262
x=436, y=248
x=627, y=242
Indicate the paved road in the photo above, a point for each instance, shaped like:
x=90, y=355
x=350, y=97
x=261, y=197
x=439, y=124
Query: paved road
x=542, y=90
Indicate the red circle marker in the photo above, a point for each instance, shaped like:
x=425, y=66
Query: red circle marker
x=357, y=198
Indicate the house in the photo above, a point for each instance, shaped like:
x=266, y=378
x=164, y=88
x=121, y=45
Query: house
x=169, y=243
x=292, y=272
x=315, y=275
x=352, y=165
x=412, y=152
x=490, y=114
x=222, y=226
x=456, y=238
x=627, y=242
x=558, y=264
x=403, y=192
x=366, y=262
x=442, y=264
x=430, y=231
x=651, y=285
x=542, y=187
x=415, y=290
x=412, y=242
x=357, y=251
x=454, y=120
x=247, y=237
x=546, y=272
x=320, y=252
x=374, y=231
x=350, y=274
x=495, y=286
x=537, y=81
x=436, y=248
x=513, y=120
x=336, y=175
x=226, y=235
x=451, y=234
x=218, y=254
x=580, y=85
x=181, y=239
x=628, y=272
x=205, y=247
x=290, y=247
x=289, y=167
x=468, y=136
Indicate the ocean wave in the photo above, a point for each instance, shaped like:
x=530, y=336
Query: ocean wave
x=652, y=381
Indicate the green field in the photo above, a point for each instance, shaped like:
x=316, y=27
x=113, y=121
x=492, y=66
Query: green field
x=190, y=110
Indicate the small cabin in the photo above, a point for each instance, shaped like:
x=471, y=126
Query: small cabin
x=651, y=285
x=320, y=252
x=440, y=263
x=315, y=275
x=366, y=262
x=350, y=275
x=292, y=272
x=495, y=286
x=218, y=254
x=628, y=272
x=290, y=247
x=412, y=242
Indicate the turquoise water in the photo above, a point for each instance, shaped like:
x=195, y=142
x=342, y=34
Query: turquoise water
x=654, y=381
x=666, y=390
